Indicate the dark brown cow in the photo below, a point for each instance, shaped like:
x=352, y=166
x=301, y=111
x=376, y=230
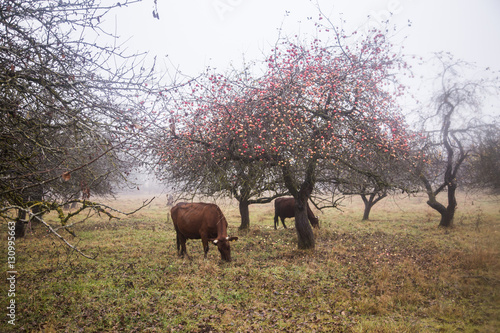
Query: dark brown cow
x=285, y=208
x=201, y=220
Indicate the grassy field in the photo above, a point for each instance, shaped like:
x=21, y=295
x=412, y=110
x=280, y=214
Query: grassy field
x=397, y=272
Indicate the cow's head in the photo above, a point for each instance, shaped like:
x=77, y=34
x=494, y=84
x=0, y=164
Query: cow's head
x=223, y=246
x=315, y=222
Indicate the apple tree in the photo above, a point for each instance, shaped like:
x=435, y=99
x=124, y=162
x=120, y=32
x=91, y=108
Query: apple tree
x=316, y=105
x=200, y=151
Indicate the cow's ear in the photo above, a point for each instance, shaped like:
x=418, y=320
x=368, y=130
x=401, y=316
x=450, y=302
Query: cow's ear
x=230, y=239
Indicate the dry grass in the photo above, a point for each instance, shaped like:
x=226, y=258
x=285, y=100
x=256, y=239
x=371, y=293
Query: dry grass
x=395, y=273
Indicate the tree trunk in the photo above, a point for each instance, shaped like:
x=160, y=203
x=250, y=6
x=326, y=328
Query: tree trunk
x=245, y=214
x=35, y=220
x=370, y=202
x=25, y=218
x=303, y=228
x=368, y=207
x=20, y=227
x=449, y=213
x=447, y=219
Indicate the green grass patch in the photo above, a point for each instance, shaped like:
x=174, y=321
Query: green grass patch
x=395, y=273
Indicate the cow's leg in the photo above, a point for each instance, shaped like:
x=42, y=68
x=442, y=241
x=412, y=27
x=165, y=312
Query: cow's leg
x=204, y=241
x=276, y=222
x=178, y=245
x=283, y=222
x=182, y=241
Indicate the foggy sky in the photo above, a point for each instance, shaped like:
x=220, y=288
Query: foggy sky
x=217, y=33
x=193, y=34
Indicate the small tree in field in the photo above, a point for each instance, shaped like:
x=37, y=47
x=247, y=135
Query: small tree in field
x=453, y=127
x=315, y=105
x=252, y=183
x=375, y=178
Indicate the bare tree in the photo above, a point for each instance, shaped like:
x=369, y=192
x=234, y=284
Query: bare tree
x=72, y=104
x=456, y=123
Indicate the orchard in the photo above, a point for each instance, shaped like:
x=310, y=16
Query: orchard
x=316, y=107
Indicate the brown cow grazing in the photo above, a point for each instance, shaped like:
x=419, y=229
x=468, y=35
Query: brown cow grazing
x=285, y=207
x=201, y=220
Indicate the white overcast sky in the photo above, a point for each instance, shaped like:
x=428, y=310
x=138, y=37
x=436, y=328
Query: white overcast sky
x=217, y=33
